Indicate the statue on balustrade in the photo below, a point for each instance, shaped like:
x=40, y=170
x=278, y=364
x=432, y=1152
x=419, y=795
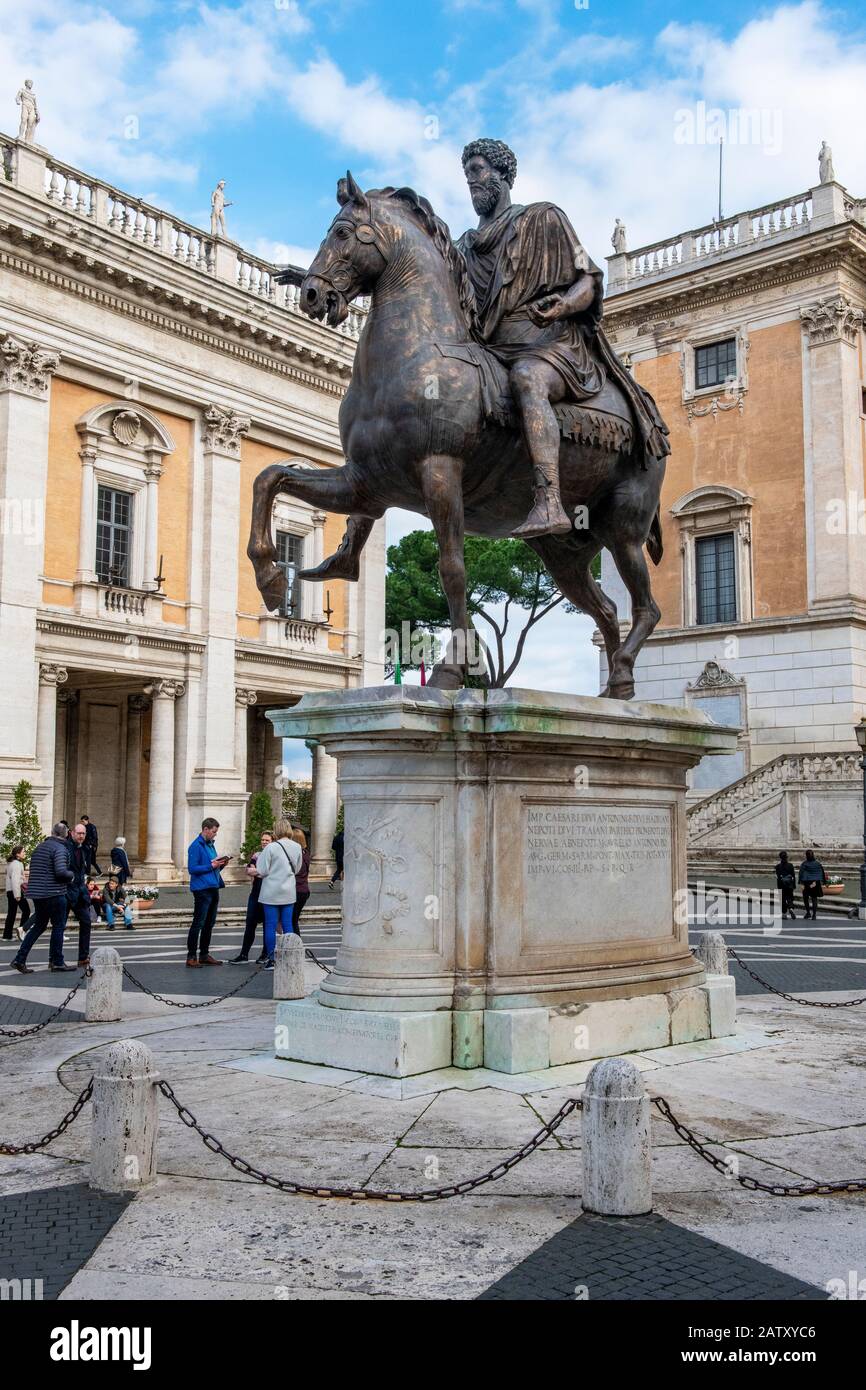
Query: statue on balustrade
x=30, y=117
x=826, y=172
x=484, y=395
x=218, y=206
x=617, y=240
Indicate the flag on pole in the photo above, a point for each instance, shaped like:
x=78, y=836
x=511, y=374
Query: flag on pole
x=423, y=673
x=398, y=674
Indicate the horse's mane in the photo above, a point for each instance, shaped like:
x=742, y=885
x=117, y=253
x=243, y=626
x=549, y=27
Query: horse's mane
x=440, y=235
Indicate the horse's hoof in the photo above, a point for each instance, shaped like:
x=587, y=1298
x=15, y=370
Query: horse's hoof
x=446, y=677
x=334, y=567
x=623, y=690
x=271, y=584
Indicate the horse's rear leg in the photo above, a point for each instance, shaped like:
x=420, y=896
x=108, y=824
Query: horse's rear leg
x=442, y=485
x=629, y=559
x=569, y=564
x=332, y=489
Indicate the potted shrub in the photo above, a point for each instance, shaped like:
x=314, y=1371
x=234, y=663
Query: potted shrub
x=835, y=884
x=142, y=896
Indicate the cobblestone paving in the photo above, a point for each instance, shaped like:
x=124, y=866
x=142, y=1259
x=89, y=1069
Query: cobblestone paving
x=51, y=1233
x=643, y=1257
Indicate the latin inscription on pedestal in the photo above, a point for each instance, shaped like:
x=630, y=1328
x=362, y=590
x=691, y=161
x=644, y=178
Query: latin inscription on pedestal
x=596, y=872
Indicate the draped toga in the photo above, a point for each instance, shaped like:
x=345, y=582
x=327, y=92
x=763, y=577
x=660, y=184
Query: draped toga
x=516, y=259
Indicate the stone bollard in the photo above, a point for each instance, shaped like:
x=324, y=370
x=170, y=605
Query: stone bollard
x=616, y=1140
x=712, y=952
x=123, y=1138
x=104, y=993
x=289, y=980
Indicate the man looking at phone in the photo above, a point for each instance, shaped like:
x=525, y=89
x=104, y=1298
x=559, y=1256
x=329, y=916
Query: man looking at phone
x=205, y=882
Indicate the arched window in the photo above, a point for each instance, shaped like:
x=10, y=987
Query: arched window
x=716, y=546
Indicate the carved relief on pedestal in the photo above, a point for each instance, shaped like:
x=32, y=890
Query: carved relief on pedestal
x=371, y=859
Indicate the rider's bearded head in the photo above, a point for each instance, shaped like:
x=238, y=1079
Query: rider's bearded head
x=485, y=188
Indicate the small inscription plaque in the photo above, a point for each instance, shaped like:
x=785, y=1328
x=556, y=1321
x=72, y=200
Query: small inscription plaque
x=596, y=872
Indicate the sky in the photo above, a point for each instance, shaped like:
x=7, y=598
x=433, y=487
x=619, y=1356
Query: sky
x=613, y=110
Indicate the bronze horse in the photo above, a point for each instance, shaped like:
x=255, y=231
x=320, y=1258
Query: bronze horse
x=426, y=425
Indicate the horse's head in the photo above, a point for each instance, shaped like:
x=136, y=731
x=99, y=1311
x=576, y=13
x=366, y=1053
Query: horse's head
x=349, y=261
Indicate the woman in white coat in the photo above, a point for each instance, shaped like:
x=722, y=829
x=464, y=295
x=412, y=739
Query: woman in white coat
x=277, y=866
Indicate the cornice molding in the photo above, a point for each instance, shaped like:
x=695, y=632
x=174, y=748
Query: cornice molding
x=175, y=325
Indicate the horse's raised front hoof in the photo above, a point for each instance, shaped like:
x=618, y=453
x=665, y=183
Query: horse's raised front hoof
x=444, y=677
x=271, y=584
x=336, y=566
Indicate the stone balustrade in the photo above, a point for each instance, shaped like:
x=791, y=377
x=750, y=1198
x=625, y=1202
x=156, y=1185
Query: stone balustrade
x=125, y=603
x=744, y=231
x=789, y=769
x=101, y=205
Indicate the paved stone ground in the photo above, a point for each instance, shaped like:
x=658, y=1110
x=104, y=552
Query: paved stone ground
x=49, y=1234
x=791, y=1110
x=643, y=1257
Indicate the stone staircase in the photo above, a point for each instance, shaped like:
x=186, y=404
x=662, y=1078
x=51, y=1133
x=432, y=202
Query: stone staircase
x=324, y=914
x=795, y=802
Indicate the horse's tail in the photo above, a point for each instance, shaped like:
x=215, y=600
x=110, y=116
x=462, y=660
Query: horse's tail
x=655, y=544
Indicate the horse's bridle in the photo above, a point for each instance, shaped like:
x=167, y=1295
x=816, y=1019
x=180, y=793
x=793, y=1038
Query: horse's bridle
x=341, y=275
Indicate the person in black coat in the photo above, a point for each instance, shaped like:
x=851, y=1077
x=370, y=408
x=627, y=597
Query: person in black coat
x=120, y=862
x=786, y=882
x=338, y=848
x=812, y=877
x=91, y=844
x=77, y=894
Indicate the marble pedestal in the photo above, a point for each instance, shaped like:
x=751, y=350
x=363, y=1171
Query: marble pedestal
x=513, y=855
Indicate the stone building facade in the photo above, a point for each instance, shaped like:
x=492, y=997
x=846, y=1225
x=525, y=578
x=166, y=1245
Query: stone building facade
x=749, y=333
x=148, y=372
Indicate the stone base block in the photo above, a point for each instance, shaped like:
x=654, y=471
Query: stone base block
x=608, y=1027
x=690, y=1015
x=468, y=1038
x=516, y=1040
x=721, y=992
x=386, y=1044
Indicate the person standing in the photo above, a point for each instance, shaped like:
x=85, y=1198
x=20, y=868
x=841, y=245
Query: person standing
x=119, y=860
x=786, y=882
x=812, y=877
x=255, y=911
x=91, y=845
x=277, y=866
x=205, y=882
x=16, y=898
x=77, y=896
x=338, y=846
x=302, y=879
x=50, y=876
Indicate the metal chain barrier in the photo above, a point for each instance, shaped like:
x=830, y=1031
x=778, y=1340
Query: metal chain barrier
x=37, y=1144
x=181, y=1004
x=37, y=1027
x=800, y=1189
x=434, y=1194
x=315, y=959
x=792, y=998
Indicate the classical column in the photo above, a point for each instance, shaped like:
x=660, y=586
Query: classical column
x=25, y=378
x=160, y=786
x=324, y=816
x=317, y=591
x=86, y=571
x=137, y=704
x=153, y=473
x=244, y=699
x=215, y=785
x=836, y=562
x=65, y=700
x=50, y=676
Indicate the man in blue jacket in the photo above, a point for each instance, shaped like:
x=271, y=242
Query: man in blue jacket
x=50, y=877
x=205, y=882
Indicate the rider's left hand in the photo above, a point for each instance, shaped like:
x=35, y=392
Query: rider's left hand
x=547, y=309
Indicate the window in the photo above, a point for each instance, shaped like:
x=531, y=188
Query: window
x=716, y=579
x=716, y=363
x=113, y=536
x=290, y=557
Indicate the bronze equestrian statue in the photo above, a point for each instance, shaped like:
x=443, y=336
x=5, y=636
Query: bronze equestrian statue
x=483, y=389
